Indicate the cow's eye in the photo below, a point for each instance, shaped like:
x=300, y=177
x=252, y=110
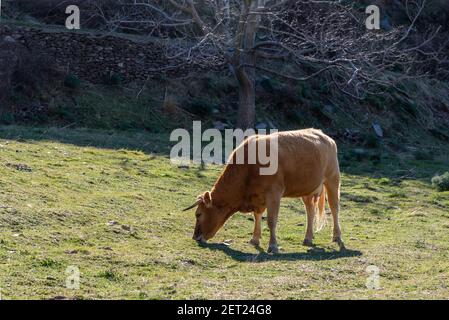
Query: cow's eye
x=198, y=214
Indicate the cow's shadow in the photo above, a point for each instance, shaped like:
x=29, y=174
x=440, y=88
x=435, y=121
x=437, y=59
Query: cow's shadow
x=313, y=254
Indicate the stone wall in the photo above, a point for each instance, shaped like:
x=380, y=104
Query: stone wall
x=92, y=57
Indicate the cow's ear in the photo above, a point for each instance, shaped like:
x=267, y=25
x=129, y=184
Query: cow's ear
x=207, y=199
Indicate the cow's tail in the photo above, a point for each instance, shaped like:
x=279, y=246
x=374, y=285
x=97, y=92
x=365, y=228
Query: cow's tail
x=320, y=219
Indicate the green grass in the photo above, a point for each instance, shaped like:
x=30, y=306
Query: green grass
x=110, y=204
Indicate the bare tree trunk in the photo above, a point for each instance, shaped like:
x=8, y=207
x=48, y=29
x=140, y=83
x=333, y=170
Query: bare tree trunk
x=247, y=99
x=245, y=73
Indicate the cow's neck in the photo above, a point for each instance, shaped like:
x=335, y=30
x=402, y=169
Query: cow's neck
x=229, y=189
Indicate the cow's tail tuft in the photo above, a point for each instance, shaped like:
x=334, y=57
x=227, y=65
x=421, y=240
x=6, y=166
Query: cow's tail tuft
x=320, y=219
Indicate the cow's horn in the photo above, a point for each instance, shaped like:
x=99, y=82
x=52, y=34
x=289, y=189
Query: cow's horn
x=198, y=201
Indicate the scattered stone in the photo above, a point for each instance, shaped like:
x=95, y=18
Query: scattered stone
x=188, y=262
x=352, y=134
x=272, y=125
x=261, y=126
x=60, y=298
x=112, y=223
x=328, y=108
x=19, y=167
x=219, y=125
x=9, y=39
x=227, y=242
x=385, y=24
x=91, y=58
x=378, y=130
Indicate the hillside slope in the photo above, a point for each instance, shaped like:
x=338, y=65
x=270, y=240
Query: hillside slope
x=110, y=204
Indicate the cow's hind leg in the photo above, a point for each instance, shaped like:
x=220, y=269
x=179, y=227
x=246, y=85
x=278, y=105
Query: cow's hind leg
x=273, y=203
x=310, y=209
x=255, y=240
x=333, y=197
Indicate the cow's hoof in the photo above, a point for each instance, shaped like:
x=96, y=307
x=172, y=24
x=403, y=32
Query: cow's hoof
x=307, y=243
x=273, y=248
x=340, y=243
x=254, y=242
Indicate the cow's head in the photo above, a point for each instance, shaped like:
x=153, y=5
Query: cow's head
x=209, y=217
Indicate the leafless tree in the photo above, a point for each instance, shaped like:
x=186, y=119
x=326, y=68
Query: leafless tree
x=292, y=39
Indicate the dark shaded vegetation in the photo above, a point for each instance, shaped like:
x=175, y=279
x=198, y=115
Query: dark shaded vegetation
x=43, y=94
x=441, y=182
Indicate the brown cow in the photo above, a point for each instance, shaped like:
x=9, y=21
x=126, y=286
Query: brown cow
x=307, y=168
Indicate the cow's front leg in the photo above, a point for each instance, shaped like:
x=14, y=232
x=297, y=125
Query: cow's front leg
x=273, y=203
x=255, y=240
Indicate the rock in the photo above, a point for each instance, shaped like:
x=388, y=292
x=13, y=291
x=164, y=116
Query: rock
x=385, y=24
x=328, y=108
x=227, y=242
x=351, y=134
x=219, y=125
x=19, y=167
x=378, y=130
x=272, y=125
x=261, y=126
x=9, y=39
x=360, y=151
x=87, y=57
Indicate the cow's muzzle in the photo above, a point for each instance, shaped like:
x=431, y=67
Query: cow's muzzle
x=199, y=238
x=197, y=235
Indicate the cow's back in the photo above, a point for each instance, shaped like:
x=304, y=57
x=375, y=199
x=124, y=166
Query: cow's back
x=305, y=158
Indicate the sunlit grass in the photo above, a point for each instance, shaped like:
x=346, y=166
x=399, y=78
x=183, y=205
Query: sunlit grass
x=110, y=204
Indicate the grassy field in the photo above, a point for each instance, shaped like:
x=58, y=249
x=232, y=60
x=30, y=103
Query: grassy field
x=110, y=204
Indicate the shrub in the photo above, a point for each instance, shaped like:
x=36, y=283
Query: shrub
x=441, y=183
x=358, y=154
x=6, y=118
x=201, y=107
x=371, y=141
x=33, y=72
x=423, y=155
x=113, y=79
x=170, y=107
x=220, y=85
x=72, y=81
x=267, y=84
x=294, y=116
